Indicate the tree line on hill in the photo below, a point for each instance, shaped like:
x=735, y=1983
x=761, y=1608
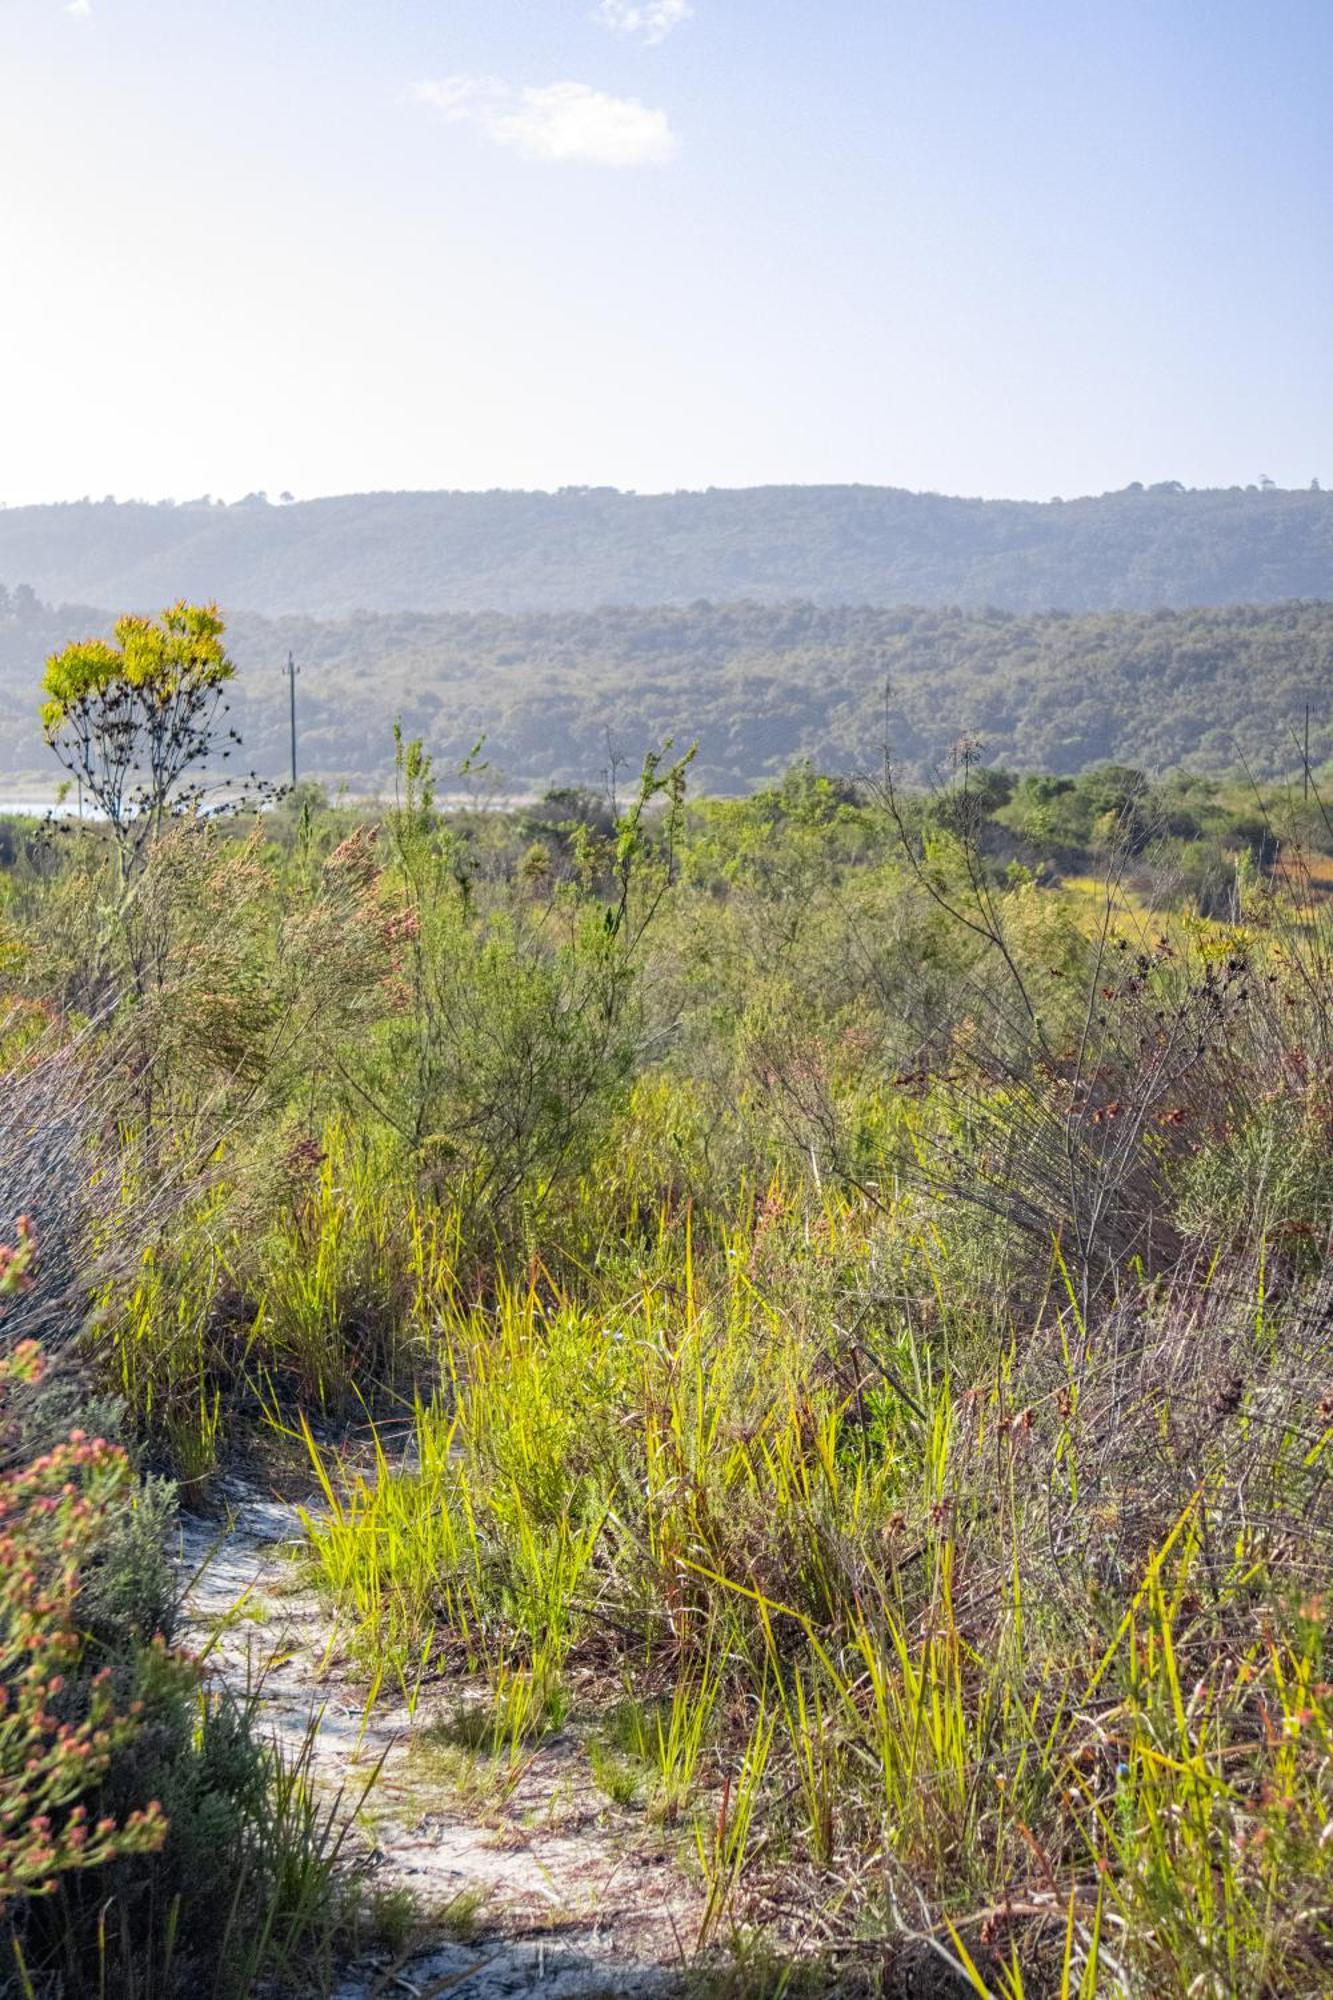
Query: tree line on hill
x=756, y=686
x=585, y=547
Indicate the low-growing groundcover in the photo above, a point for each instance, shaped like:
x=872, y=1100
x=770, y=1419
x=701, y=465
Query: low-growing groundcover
x=783, y=1290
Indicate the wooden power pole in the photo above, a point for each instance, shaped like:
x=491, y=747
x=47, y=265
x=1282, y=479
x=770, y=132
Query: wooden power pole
x=292, y=671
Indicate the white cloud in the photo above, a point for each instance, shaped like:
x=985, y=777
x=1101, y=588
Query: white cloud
x=82, y=10
x=556, y=121
x=651, y=20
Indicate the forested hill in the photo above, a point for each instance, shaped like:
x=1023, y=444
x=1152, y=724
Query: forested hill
x=757, y=685
x=582, y=548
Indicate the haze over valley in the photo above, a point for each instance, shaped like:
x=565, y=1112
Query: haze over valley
x=1156, y=626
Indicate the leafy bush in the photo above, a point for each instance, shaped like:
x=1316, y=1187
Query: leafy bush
x=59, y=1729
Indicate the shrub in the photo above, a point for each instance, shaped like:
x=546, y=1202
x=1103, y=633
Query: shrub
x=57, y=1738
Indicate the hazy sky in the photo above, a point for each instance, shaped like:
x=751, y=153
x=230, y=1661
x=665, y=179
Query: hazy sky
x=984, y=246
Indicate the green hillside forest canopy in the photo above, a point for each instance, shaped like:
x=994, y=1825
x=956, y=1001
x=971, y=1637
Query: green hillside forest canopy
x=757, y=686
x=584, y=547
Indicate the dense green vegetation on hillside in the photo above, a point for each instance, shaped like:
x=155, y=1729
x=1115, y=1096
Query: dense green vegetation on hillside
x=586, y=547
x=821, y=1328
x=756, y=686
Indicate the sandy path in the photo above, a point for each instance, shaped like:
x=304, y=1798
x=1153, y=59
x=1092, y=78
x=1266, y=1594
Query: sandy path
x=562, y=1894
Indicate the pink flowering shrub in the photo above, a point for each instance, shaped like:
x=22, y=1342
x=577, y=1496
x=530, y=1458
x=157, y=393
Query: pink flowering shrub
x=53, y=1516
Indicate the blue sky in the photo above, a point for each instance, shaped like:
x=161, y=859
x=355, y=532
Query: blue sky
x=982, y=246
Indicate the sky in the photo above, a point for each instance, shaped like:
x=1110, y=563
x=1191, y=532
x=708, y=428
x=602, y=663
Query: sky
x=995, y=247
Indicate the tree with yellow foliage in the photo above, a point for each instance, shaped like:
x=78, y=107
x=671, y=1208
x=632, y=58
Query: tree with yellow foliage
x=132, y=720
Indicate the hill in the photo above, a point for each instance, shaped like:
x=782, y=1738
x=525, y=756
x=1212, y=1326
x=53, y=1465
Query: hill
x=582, y=548
x=757, y=685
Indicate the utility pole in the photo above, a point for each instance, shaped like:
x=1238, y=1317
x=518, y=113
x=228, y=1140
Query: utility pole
x=292, y=671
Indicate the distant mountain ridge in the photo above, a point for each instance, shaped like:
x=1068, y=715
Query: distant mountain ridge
x=582, y=548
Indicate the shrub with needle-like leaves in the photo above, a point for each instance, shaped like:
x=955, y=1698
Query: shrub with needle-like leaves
x=53, y=1515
